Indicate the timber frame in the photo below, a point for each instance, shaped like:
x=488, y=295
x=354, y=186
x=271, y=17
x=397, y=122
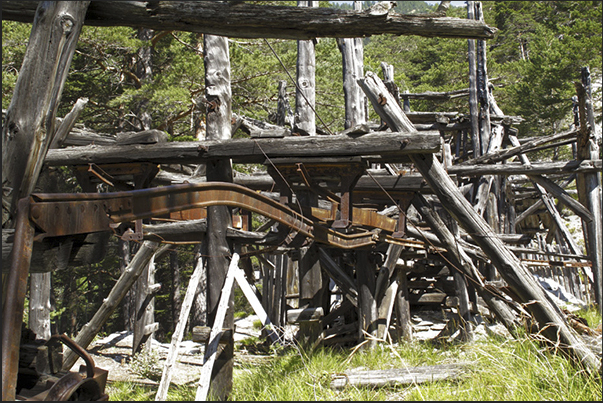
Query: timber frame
x=328, y=189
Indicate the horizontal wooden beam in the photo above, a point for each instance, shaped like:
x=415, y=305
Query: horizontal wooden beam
x=247, y=20
x=536, y=168
x=389, y=145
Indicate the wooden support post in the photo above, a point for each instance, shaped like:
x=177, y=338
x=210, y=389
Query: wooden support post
x=305, y=117
x=589, y=184
x=473, y=107
x=166, y=376
x=553, y=324
x=219, y=97
x=367, y=304
x=386, y=289
x=144, y=310
x=211, y=350
x=352, y=53
x=12, y=310
x=311, y=291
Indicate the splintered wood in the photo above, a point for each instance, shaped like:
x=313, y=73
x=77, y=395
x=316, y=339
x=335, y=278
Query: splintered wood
x=398, y=376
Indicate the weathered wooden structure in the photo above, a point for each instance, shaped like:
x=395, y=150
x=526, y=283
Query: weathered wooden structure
x=381, y=259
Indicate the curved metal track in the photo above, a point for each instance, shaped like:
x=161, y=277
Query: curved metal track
x=59, y=214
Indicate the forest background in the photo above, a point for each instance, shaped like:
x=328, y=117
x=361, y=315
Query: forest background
x=533, y=61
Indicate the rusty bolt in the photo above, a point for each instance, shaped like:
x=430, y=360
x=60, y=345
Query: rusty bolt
x=35, y=212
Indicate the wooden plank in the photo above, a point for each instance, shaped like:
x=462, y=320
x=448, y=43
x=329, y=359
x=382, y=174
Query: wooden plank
x=398, y=376
x=304, y=314
x=259, y=21
x=255, y=303
x=187, y=303
x=245, y=150
x=211, y=350
x=553, y=324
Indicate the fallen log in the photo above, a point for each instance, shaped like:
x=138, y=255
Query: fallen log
x=398, y=376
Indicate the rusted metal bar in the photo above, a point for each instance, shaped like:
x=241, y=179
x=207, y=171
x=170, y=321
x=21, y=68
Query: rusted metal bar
x=66, y=213
x=12, y=313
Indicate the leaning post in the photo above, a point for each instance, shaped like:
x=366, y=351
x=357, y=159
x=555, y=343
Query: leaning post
x=553, y=325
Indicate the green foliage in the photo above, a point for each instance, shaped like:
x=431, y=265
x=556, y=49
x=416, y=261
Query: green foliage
x=146, y=365
x=539, y=51
x=498, y=369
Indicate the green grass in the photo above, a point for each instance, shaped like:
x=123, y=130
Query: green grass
x=512, y=370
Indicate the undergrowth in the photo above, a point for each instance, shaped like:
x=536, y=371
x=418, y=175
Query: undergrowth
x=512, y=370
x=497, y=369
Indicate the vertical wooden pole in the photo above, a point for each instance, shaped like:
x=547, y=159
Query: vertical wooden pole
x=207, y=381
x=12, y=311
x=589, y=184
x=367, y=304
x=473, y=107
x=305, y=98
x=219, y=114
x=352, y=53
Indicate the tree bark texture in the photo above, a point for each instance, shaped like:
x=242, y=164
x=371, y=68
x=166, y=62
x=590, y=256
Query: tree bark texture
x=305, y=95
x=219, y=114
x=390, y=145
x=30, y=118
x=260, y=21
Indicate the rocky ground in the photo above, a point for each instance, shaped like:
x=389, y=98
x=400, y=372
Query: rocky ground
x=114, y=352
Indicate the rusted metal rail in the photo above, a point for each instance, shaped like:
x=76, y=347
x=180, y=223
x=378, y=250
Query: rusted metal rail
x=54, y=215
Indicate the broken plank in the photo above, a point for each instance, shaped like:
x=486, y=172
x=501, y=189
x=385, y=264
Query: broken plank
x=398, y=376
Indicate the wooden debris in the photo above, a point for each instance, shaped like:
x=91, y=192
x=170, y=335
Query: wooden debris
x=398, y=376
